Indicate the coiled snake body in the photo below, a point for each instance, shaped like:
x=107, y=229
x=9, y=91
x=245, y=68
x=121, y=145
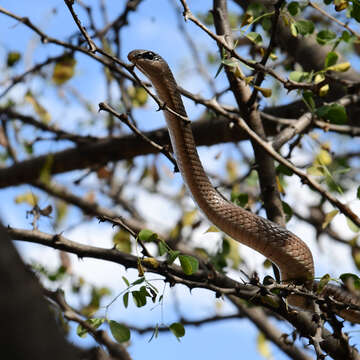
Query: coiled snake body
x=282, y=247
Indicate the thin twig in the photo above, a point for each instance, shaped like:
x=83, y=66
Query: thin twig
x=124, y=118
x=92, y=46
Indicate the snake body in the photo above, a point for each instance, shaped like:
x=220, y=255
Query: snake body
x=282, y=247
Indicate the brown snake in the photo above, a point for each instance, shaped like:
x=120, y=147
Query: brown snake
x=282, y=247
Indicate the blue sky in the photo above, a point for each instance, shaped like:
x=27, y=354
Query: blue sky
x=153, y=26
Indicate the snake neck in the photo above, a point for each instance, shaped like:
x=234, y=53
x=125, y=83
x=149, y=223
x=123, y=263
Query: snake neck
x=282, y=247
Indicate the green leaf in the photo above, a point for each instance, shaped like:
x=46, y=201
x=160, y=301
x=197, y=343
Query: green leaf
x=94, y=322
x=294, y=8
x=255, y=9
x=299, y=76
x=126, y=299
x=172, y=256
x=126, y=281
x=219, y=70
x=162, y=248
x=287, y=210
x=350, y=277
x=177, y=329
x=139, y=281
x=352, y=226
x=335, y=113
x=239, y=199
x=120, y=332
x=139, y=298
x=266, y=23
x=358, y=193
x=331, y=59
x=323, y=37
x=225, y=247
x=322, y=283
x=308, y=98
x=345, y=36
x=282, y=169
x=230, y=62
x=189, y=264
x=146, y=235
x=12, y=58
x=255, y=38
x=355, y=12
x=144, y=291
x=305, y=27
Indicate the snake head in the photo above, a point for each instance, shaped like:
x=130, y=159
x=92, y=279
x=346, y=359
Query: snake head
x=148, y=62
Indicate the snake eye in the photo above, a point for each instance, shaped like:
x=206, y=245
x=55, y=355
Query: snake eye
x=148, y=55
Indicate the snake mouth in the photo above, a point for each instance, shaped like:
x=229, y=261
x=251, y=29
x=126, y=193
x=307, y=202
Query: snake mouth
x=133, y=54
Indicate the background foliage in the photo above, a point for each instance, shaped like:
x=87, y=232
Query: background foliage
x=83, y=171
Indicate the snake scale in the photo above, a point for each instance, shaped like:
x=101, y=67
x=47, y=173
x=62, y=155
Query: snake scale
x=281, y=246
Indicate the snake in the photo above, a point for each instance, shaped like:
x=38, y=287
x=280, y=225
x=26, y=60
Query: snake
x=291, y=255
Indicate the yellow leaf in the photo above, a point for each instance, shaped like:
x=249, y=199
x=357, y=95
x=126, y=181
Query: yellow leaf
x=315, y=171
x=328, y=217
x=326, y=146
x=238, y=72
x=28, y=198
x=293, y=30
x=247, y=19
x=121, y=240
x=201, y=253
x=219, y=305
x=266, y=92
x=267, y=264
x=141, y=271
x=319, y=78
x=234, y=255
x=273, y=56
x=263, y=346
x=45, y=172
x=151, y=262
x=323, y=158
x=249, y=79
x=324, y=90
x=138, y=95
x=231, y=169
x=314, y=136
x=44, y=116
x=175, y=231
x=61, y=210
x=279, y=185
x=285, y=20
x=189, y=217
x=212, y=228
x=342, y=67
x=64, y=70
x=355, y=252
x=341, y=5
